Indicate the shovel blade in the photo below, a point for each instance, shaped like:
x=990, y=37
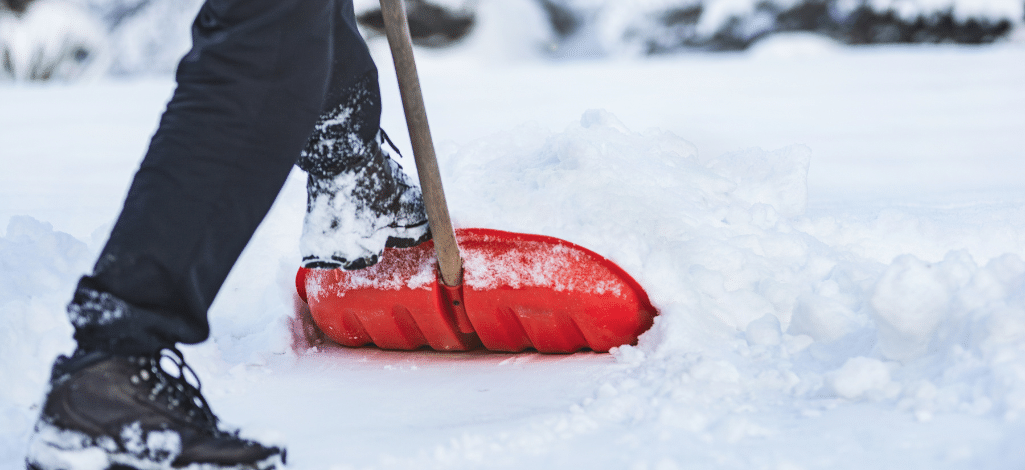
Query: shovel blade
x=519, y=291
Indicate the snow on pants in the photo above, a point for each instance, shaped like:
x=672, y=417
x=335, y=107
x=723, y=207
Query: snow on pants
x=249, y=93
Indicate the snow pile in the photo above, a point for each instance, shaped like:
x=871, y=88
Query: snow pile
x=836, y=334
x=644, y=200
x=958, y=329
x=941, y=341
x=40, y=267
x=761, y=323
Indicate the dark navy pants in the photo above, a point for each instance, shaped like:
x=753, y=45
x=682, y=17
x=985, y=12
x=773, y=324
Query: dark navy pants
x=249, y=93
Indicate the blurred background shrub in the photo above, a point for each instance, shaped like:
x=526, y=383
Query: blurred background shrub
x=77, y=39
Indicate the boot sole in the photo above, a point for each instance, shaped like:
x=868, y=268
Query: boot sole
x=54, y=449
x=400, y=237
x=408, y=237
x=130, y=463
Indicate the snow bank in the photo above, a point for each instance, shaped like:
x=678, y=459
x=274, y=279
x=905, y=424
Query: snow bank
x=40, y=268
x=777, y=331
x=761, y=322
x=644, y=200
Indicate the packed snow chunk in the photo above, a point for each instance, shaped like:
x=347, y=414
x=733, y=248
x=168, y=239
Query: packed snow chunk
x=764, y=331
x=823, y=318
x=863, y=377
x=778, y=179
x=794, y=46
x=36, y=258
x=913, y=299
x=597, y=180
x=627, y=354
x=958, y=329
x=40, y=267
x=709, y=370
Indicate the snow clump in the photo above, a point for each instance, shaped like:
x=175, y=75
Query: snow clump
x=769, y=325
x=760, y=320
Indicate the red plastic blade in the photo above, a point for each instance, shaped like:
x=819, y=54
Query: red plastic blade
x=519, y=291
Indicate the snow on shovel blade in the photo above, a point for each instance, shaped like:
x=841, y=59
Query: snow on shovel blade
x=519, y=291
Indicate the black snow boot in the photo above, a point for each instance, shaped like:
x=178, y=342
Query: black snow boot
x=105, y=411
x=353, y=215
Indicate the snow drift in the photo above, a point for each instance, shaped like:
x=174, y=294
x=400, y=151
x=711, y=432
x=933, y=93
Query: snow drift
x=762, y=321
x=856, y=302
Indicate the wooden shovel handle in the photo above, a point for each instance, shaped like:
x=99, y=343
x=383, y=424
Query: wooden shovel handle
x=397, y=29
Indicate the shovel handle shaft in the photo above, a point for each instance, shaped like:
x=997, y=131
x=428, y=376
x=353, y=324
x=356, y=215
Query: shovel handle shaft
x=449, y=263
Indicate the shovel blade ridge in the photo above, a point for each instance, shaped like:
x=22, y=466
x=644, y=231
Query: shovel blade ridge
x=519, y=291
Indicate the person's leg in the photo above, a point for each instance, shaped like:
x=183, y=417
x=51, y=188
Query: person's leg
x=359, y=200
x=248, y=95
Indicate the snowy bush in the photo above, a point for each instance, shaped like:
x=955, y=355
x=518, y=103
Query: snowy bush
x=51, y=40
x=46, y=39
x=74, y=39
x=660, y=26
x=146, y=35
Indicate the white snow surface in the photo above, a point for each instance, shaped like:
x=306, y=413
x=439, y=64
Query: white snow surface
x=834, y=240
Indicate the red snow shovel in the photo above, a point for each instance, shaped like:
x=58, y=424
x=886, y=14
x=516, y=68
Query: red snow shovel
x=508, y=291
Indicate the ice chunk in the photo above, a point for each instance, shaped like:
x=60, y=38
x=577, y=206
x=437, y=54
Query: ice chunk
x=822, y=318
x=913, y=299
x=861, y=376
x=764, y=331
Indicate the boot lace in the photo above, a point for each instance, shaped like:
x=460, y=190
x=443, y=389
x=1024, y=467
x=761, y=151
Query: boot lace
x=175, y=390
x=383, y=137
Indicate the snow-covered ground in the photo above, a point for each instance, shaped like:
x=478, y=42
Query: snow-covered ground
x=834, y=237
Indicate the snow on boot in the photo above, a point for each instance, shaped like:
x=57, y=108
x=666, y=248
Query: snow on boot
x=105, y=411
x=353, y=215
